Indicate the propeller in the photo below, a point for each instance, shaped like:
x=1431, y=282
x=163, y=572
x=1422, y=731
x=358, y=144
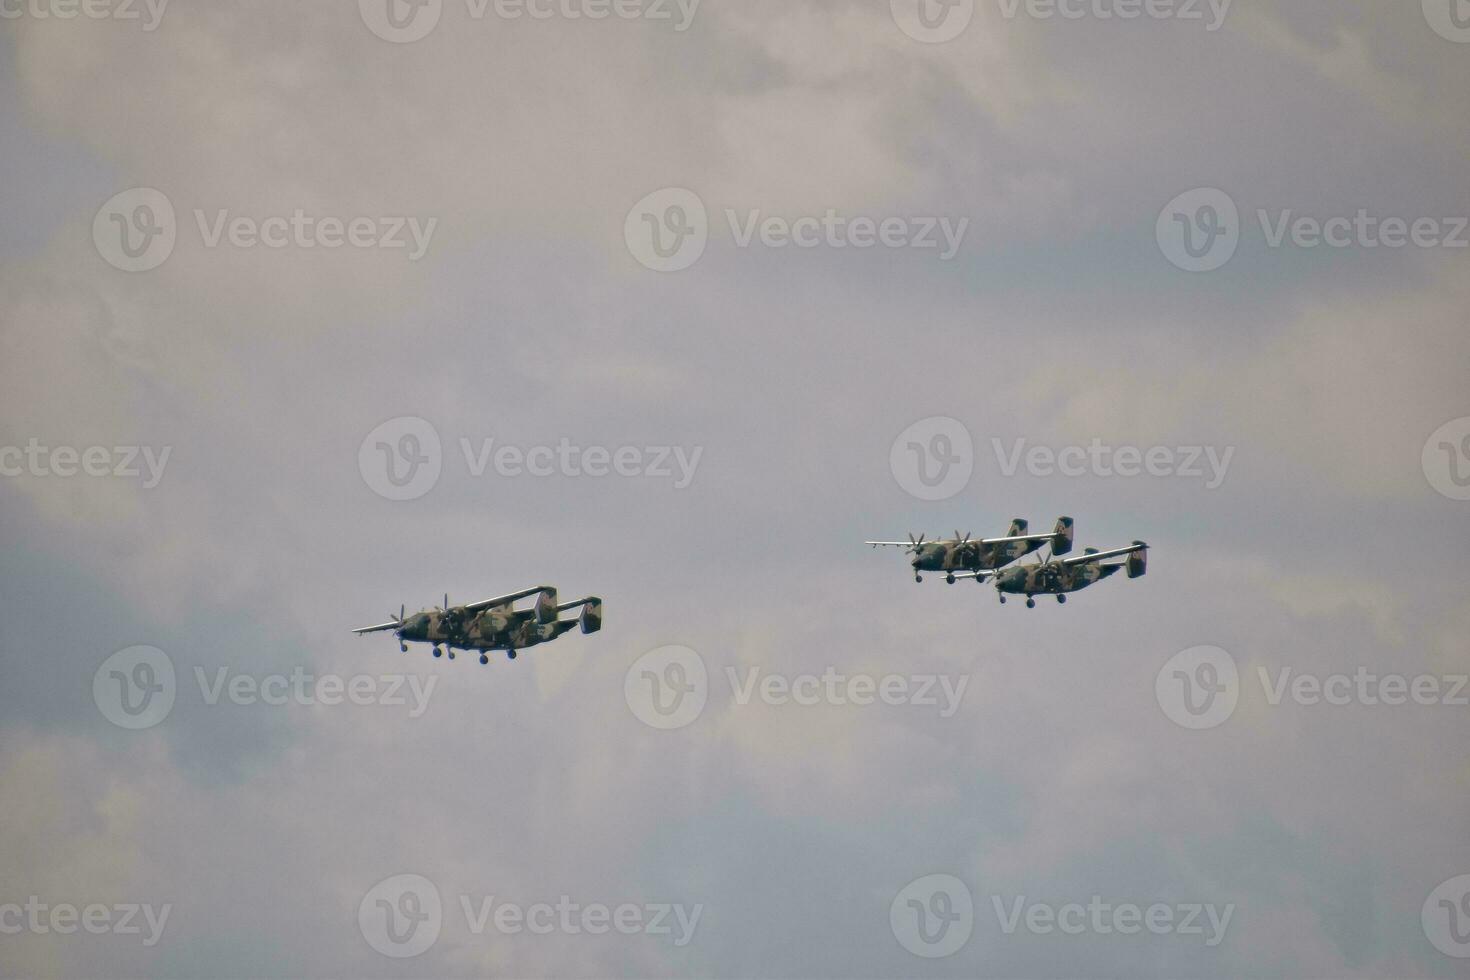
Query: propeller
x=451, y=617
x=915, y=544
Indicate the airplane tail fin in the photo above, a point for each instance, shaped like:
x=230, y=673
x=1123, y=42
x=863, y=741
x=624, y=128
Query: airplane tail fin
x=1138, y=561
x=1062, y=541
x=546, y=607
x=592, y=616
x=1018, y=529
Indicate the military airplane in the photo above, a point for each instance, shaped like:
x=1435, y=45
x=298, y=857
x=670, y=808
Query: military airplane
x=1059, y=576
x=492, y=624
x=964, y=554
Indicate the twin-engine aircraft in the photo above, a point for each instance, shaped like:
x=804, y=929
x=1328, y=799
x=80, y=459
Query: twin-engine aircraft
x=492, y=624
x=1059, y=576
x=959, y=555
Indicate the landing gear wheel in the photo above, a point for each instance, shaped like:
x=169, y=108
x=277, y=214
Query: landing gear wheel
x=918, y=578
x=451, y=654
x=1030, y=603
x=1061, y=600
x=1002, y=600
x=949, y=578
x=438, y=653
x=484, y=660
x=510, y=654
x=403, y=648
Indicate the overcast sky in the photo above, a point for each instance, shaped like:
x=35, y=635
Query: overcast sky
x=309, y=310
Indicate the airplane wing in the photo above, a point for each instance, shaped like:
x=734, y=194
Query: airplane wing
x=909, y=544
x=506, y=600
x=1103, y=555
x=377, y=629
x=1049, y=535
x=978, y=576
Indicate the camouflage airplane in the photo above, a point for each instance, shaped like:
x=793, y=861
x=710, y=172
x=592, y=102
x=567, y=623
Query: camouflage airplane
x=1059, y=576
x=492, y=624
x=962, y=554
